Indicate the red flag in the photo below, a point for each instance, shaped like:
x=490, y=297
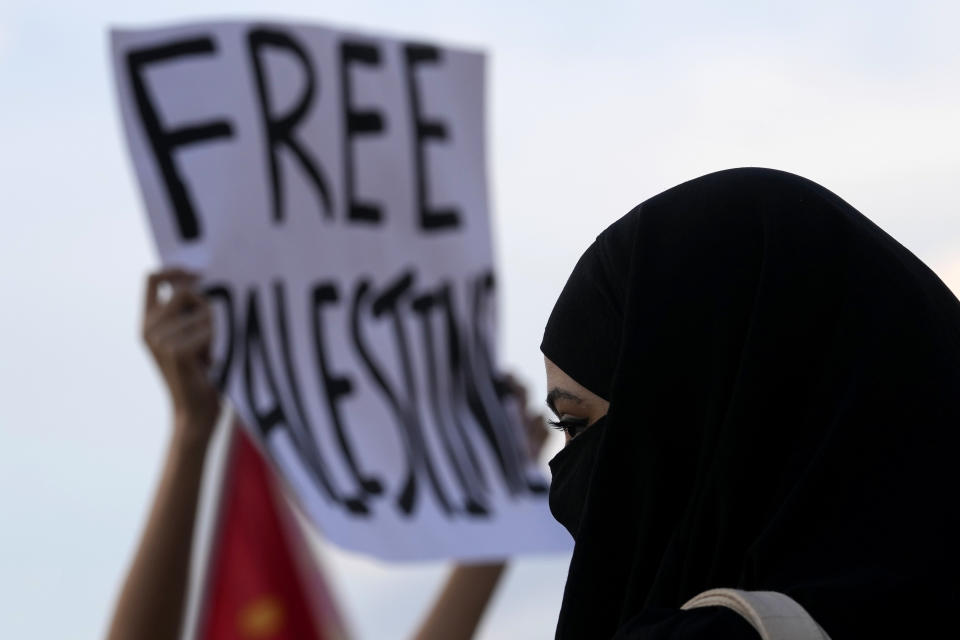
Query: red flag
x=262, y=581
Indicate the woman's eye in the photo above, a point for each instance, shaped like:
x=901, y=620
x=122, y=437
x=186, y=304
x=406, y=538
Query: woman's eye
x=572, y=426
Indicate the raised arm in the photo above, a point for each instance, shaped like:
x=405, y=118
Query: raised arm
x=457, y=612
x=177, y=332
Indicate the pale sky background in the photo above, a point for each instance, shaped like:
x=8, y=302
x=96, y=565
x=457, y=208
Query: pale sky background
x=594, y=107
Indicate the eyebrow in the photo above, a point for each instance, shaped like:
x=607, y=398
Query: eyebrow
x=561, y=394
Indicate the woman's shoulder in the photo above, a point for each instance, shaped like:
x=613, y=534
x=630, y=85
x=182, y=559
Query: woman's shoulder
x=693, y=624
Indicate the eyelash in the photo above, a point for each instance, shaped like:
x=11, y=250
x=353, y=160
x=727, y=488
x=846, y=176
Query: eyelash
x=570, y=426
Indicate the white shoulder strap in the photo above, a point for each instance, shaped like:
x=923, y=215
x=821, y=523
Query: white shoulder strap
x=775, y=616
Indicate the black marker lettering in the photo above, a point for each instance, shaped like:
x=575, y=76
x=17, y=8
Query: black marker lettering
x=357, y=123
x=274, y=417
x=303, y=428
x=424, y=306
x=407, y=496
x=456, y=393
x=491, y=389
x=388, y=303
x=164, y=143
x=424, y=130
x=221, y=294
x=335, y=387
x=280, y=128
x=254, y=347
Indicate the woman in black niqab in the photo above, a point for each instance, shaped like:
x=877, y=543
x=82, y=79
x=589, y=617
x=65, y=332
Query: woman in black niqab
x=784, y=388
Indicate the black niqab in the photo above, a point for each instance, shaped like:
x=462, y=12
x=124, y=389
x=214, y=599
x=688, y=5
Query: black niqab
x=784, y=387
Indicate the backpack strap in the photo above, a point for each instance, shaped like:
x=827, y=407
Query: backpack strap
x=775, y=616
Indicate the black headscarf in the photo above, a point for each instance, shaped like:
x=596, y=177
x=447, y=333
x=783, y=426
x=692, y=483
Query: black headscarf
x=784, y=387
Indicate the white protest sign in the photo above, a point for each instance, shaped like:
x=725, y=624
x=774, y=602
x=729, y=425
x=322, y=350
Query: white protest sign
x=331, y=188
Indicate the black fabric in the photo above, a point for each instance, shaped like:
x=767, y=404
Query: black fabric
x=784, y=386
x=595, y=292
x=572, y=469
x=715, y=623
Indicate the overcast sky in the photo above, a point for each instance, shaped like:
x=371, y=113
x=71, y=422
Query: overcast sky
x=594, y=107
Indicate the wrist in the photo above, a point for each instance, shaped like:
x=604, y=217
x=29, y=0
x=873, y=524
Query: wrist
x=191, y=431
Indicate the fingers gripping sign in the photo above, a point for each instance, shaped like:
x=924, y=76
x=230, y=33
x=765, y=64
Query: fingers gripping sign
x=178, y=331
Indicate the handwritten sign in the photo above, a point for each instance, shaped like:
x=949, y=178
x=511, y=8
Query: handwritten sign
x=331, y=187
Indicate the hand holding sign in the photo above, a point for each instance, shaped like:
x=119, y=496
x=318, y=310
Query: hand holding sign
x=178, y=331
